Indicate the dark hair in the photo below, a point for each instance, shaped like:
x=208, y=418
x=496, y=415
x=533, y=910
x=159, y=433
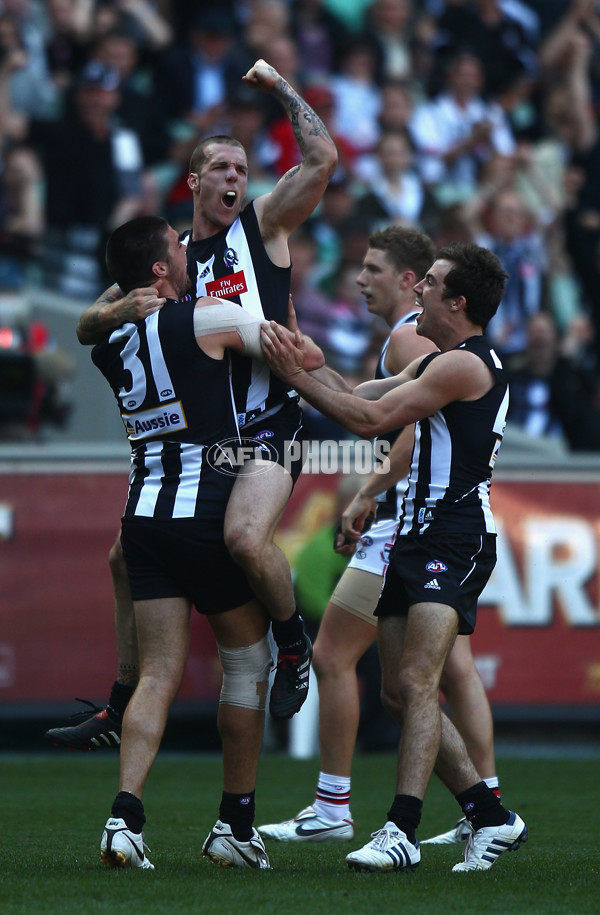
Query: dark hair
x=476, y=274
x=406, y=249
x=198, y=157
x=133, y=248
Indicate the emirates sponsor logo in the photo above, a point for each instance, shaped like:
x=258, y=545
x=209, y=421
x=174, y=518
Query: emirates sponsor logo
x=226, y=287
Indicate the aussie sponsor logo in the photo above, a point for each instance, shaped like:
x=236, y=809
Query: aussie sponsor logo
x=225, y=287
x=230, y=455
x=159, y=421
x=436, y=565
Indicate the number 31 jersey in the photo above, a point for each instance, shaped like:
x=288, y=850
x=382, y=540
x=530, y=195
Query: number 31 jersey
x=175, y=402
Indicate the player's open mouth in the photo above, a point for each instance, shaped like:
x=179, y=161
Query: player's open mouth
x=229, y=199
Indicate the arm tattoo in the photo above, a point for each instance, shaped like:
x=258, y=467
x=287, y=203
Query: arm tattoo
x=302, y=117
x=90, y=325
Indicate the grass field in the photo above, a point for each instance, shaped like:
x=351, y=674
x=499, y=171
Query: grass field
x=54, y=808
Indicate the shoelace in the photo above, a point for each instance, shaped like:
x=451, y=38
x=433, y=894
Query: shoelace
x=469, y=845
x=85, y=713
x=381, y=838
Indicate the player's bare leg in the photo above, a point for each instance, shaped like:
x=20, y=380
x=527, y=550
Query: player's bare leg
x=342, y=640
x=241, y=635
x=256, y=505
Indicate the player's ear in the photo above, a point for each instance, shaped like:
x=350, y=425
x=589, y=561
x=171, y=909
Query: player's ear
x=193, y=181
x=407, y=279
x=459, y=303
x=159, y=268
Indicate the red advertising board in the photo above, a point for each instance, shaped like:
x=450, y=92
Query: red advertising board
x=537, y=641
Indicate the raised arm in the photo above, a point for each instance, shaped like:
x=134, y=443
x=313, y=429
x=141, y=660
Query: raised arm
x=298, y=192
x=112, y=308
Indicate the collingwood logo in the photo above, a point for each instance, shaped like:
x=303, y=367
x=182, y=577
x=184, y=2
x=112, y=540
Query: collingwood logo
x=230, y=257
x=159, y=421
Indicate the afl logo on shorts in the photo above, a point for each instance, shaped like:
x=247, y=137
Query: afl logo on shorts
x=436, y=565
x=262, y=435
x=232, y=454
x=230, y=257
x=366, y=540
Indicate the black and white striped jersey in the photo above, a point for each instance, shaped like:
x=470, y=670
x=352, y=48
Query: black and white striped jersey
x=234, y=265
x=389, y=503
x=175, y=402
x=454, y=455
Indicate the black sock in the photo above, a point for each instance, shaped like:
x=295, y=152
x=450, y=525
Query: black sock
x=128, y=807
x=120, y=695
x=237, y=810
x=405, y=812
x=289, y=634
x=481, y=806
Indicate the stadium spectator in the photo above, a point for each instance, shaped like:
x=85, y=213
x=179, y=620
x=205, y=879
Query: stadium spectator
x=312, y=306
x=357, y=97
x=140, y=106
x=396, y=105
x=489, y=29
x=388, y=28
x=70, y=28
x=320, y=37
x=21, y=215
x=458, y=130
x=142, y=18
x=350, y=324
x=94, y=172
x=335, y=220
x=552, y=394
x=198, y=72
x=393, y=190
x=513, y=236
x=33, y=92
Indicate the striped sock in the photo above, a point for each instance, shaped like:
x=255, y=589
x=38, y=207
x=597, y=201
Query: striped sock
x=332, y=801
x=494, y=784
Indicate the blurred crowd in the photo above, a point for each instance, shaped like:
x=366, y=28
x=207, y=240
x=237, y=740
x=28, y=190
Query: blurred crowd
x=470, y=120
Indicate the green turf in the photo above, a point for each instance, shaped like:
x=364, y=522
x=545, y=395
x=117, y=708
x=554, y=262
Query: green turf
x=54, y=807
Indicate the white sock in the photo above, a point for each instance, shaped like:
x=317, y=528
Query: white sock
x=333, y=797
x=494, y=784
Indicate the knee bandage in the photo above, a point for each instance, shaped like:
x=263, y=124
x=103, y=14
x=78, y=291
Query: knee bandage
x=246, y=675
x=225, y=316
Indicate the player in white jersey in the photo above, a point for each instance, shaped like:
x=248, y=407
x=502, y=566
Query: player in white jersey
x=395, y=259
x=446, y=550
x=218, y=180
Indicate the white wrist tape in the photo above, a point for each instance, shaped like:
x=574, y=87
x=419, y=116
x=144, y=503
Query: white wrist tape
x=225, y=316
